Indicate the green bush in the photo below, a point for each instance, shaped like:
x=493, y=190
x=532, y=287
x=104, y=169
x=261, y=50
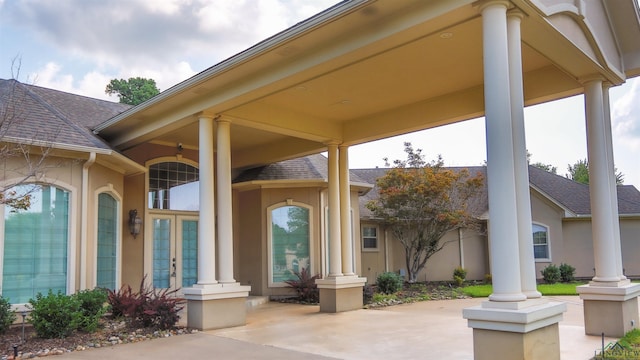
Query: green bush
x=459, y=275
x=92, y=305
x=7, y=315
x=551, y=274
x=566, y=272
x=55, y=315
x=389, y=282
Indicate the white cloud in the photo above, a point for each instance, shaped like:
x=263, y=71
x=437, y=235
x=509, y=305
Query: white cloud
x=626, y=116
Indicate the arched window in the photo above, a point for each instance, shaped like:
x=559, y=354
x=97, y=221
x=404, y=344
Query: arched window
x=289, y=242
x=174, y=186
x=35, y=244
x=541, y=242
x=107, y=241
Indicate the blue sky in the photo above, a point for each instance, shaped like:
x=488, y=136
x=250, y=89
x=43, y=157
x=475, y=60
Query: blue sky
x=78, y=46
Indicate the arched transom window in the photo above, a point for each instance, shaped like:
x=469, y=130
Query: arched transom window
x=173, y=186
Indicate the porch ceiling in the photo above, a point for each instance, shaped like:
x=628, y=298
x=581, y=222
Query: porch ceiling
x=361, y=71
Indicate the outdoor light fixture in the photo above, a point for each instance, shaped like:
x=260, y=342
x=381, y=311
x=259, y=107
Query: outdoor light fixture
x=135, y=223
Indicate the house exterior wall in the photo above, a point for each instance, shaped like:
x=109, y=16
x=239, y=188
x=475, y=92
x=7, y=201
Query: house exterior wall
x=578, y=247
x=630, y=241
x=549, y=215
x=250, y=257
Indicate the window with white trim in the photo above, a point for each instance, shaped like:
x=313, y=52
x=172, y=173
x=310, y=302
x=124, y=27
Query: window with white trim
x=369, y=238
x=540, y=242
x=290, y=238
x=106, y=268
x=35, y=244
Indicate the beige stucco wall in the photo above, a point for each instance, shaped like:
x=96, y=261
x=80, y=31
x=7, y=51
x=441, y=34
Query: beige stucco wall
x=474, y=257
x=630, y=243
x=548, y=214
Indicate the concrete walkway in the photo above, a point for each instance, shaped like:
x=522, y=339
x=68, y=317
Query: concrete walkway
x=426, y=330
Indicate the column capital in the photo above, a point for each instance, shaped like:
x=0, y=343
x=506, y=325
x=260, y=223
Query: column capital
x=483, y=4
x=591, y=78
x=222, y=119
x=516, y=13
x=332, y=143
x=206, y=115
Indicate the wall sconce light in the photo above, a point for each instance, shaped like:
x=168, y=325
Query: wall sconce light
x=135, y=223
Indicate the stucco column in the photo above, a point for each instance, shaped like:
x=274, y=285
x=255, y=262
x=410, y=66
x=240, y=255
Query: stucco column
x=523, y=199
x=613, y=186
x=599, y=188
x=206, y=225
x=503, y=229
x=225, y=219
x=335, y=250
x=345, y=212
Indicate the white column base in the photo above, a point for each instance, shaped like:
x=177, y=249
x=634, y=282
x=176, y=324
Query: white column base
x=216, y=306
x=612, y=310
x=342, y=293
x=524, y=329
x=216, y=291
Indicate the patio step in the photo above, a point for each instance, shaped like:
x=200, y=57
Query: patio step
x=254, y=301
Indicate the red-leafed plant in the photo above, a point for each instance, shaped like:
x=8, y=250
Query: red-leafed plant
x=305, y=286
x=149, y=307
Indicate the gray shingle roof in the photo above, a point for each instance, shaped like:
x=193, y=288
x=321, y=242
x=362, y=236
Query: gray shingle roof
x=570, y=194
x=53, y=116
x=312, y=167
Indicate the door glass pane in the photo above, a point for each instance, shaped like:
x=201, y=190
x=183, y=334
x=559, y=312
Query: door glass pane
x=290, y=241
x=161, y=253
x=107, y=241
x=35, y=245
x=189, y=252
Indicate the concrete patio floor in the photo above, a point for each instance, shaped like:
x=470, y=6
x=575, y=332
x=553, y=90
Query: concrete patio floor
x=425, y=330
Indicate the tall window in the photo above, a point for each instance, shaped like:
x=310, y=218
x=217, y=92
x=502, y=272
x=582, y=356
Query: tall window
x=173, y=186
x=107, y=241
x=35, y=245
x=540, y=242
x=289, y=242
x=369, y=238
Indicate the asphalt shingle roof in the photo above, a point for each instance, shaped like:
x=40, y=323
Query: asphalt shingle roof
x=53, y=116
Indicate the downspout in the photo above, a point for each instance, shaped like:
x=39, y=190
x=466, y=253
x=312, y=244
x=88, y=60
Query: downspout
x=461, y=246
x=83, y=219
x=386, y=250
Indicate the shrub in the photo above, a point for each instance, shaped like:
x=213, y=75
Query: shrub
x=367, y=294
x=7, y=315
x=566, y=272
x=551, y=274
x=305, y=286
x=389, y=282
x=161, y=308
x=459, y=275
x=55, y=315
x=124, y=302
x=488, y=279
x=92, y=306
x=149, y=307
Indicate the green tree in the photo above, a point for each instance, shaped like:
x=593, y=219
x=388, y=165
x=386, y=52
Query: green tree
x=133, y=91
x=546, y=167
x=579, y=172
x=419, y=202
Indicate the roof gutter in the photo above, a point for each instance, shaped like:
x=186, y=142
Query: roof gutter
x=266, y=45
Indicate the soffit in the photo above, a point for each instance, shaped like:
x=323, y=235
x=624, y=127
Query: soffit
x=379, y=69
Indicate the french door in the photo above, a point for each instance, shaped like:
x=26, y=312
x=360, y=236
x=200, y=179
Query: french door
x=174, y=243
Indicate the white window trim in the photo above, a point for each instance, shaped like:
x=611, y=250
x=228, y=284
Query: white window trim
x=271, y=283
x=547, y=259
x=107, y=190
x=377, y=248
x=72, y=235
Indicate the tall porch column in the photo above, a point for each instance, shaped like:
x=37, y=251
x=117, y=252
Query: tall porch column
x=225, y=220
x=212, y=304
x=206, y=225
x=345, y=213
x=503, y=222
x=337, y=291
x=610, y=299
x=523, y=199
x=599, y=189
x=524, y=328
x=335, y=247
x=613, y=186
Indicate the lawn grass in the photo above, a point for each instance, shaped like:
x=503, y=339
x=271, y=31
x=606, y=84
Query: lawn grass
x=545, y=289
